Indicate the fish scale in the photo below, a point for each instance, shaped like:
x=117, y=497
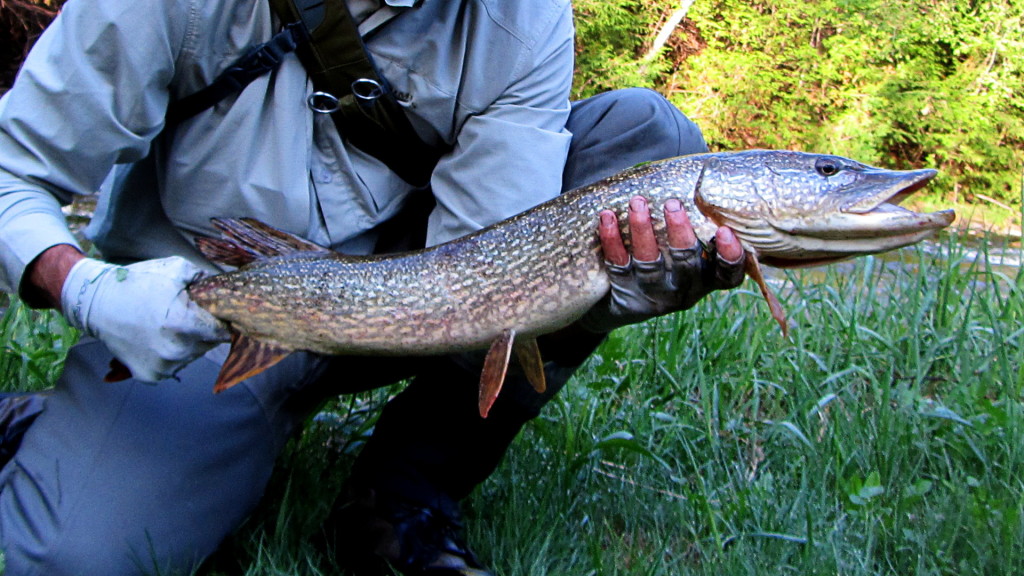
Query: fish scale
x=542, y=270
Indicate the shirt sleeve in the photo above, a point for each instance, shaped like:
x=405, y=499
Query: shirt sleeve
x=510, y=156
x=92, y=93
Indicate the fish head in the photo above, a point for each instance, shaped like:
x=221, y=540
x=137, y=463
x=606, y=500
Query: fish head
x=795, y=209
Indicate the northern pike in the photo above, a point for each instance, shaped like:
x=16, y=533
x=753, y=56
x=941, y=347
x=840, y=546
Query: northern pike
x=541, y=270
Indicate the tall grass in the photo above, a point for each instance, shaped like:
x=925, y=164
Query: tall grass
x=884, y=437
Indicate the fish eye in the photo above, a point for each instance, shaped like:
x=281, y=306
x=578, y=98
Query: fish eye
x=827, y=167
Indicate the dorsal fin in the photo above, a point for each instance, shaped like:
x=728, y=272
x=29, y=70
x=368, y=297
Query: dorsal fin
x=224, y=251
x=247, y=239
x=262, y=239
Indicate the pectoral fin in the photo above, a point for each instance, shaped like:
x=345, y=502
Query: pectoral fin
x=528, y=354
x=753, y=269
x=247, y=357
x=495, y=367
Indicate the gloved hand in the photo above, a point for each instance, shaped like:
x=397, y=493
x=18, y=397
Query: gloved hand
x=645, y=284
x=142, y=312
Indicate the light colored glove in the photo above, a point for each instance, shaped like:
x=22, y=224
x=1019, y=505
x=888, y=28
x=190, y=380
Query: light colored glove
x=142, y=312
x=642, y=290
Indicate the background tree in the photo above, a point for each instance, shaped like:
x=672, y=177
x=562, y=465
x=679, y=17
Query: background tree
x=900, y=84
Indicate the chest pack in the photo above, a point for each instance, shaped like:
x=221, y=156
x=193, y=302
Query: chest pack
x=346, y=83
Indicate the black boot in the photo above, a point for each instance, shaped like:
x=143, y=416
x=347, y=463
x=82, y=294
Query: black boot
x=17, y=411
x=376, y=536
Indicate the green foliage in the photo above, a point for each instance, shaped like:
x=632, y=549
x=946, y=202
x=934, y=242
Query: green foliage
x=936, y=83
x=611, y=37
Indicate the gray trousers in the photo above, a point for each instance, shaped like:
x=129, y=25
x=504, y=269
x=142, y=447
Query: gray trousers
x=133, y=478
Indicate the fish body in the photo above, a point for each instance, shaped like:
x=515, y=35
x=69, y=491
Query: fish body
x=543, y=269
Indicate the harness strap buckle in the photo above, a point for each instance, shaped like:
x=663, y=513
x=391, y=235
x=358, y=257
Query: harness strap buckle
x=323, y=103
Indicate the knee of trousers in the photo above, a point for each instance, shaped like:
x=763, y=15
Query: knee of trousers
x=131, y=478
x=622, y=128
x=108, y=550
x=661, y=128
x=41, y=542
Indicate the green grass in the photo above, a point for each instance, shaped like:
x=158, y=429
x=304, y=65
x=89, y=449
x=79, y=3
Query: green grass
x=884, y=437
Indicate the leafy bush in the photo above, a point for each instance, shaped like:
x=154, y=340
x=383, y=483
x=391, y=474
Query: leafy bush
x=936, y=83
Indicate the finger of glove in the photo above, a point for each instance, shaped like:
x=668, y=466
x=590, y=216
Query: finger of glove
x=728, y=272
x=624, y=286
x=651, y=276
x=686, y=266
x=641, y=291
x=174, y=268
x=697, y=271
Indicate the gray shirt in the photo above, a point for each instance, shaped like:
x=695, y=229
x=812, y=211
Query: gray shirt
x=488, y=78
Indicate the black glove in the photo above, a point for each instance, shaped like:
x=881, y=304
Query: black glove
x=642, y=290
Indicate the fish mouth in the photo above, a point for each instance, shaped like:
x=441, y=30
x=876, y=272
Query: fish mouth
x=872, y=222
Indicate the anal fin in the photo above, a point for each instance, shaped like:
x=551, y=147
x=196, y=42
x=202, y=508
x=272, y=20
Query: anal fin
x=248, y=357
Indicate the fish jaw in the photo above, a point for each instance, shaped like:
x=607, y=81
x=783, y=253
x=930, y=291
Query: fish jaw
x=808, y=209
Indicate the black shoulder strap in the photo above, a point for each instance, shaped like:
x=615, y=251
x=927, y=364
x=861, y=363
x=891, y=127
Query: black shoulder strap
x=347, y=85
x=255, y=63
